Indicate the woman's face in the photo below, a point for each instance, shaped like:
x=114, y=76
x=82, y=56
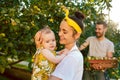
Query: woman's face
x=66, y=34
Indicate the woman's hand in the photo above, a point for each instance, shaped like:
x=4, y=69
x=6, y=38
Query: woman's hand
x=38, y=39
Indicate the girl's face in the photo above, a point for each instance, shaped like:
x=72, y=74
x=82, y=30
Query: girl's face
x=49, y=41
x=66, y=34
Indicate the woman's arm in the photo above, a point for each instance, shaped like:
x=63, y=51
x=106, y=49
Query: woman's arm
x=54, y=78
x=38, y=39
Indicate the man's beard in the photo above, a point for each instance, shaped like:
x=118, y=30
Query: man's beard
x=99, y=35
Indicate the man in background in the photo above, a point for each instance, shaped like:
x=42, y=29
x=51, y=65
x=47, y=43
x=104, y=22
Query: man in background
x=99, y=46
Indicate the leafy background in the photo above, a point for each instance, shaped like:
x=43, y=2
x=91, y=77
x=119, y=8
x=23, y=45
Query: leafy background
x=21, y=19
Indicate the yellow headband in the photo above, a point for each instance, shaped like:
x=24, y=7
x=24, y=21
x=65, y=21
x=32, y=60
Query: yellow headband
x=70, y=21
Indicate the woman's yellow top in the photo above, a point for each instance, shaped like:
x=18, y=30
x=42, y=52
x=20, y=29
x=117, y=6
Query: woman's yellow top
x=42, y=68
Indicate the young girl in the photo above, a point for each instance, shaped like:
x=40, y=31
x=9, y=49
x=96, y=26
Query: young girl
x=45, y=58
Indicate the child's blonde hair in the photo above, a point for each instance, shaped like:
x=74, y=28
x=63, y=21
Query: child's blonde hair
x=46, y=30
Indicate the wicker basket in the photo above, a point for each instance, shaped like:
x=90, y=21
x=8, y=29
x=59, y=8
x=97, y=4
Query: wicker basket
x=105, y=64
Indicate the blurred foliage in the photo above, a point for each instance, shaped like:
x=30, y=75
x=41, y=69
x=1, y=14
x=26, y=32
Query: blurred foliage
x=21, y=19
x=113, y=34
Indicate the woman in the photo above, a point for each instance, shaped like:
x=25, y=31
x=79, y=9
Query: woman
x=71, y=67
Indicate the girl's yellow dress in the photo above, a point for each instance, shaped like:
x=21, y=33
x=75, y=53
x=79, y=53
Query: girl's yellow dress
x=42, y=68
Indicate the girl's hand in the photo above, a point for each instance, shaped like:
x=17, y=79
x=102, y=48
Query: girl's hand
x=64, y=51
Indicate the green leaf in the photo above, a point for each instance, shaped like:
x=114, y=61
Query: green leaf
x=2, y=69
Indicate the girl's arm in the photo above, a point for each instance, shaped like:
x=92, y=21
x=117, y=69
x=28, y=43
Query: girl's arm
x=55, y=59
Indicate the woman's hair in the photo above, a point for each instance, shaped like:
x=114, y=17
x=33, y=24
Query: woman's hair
x=78, y=17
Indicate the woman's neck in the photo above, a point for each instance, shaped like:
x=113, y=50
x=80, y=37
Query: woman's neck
x=69, y=46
